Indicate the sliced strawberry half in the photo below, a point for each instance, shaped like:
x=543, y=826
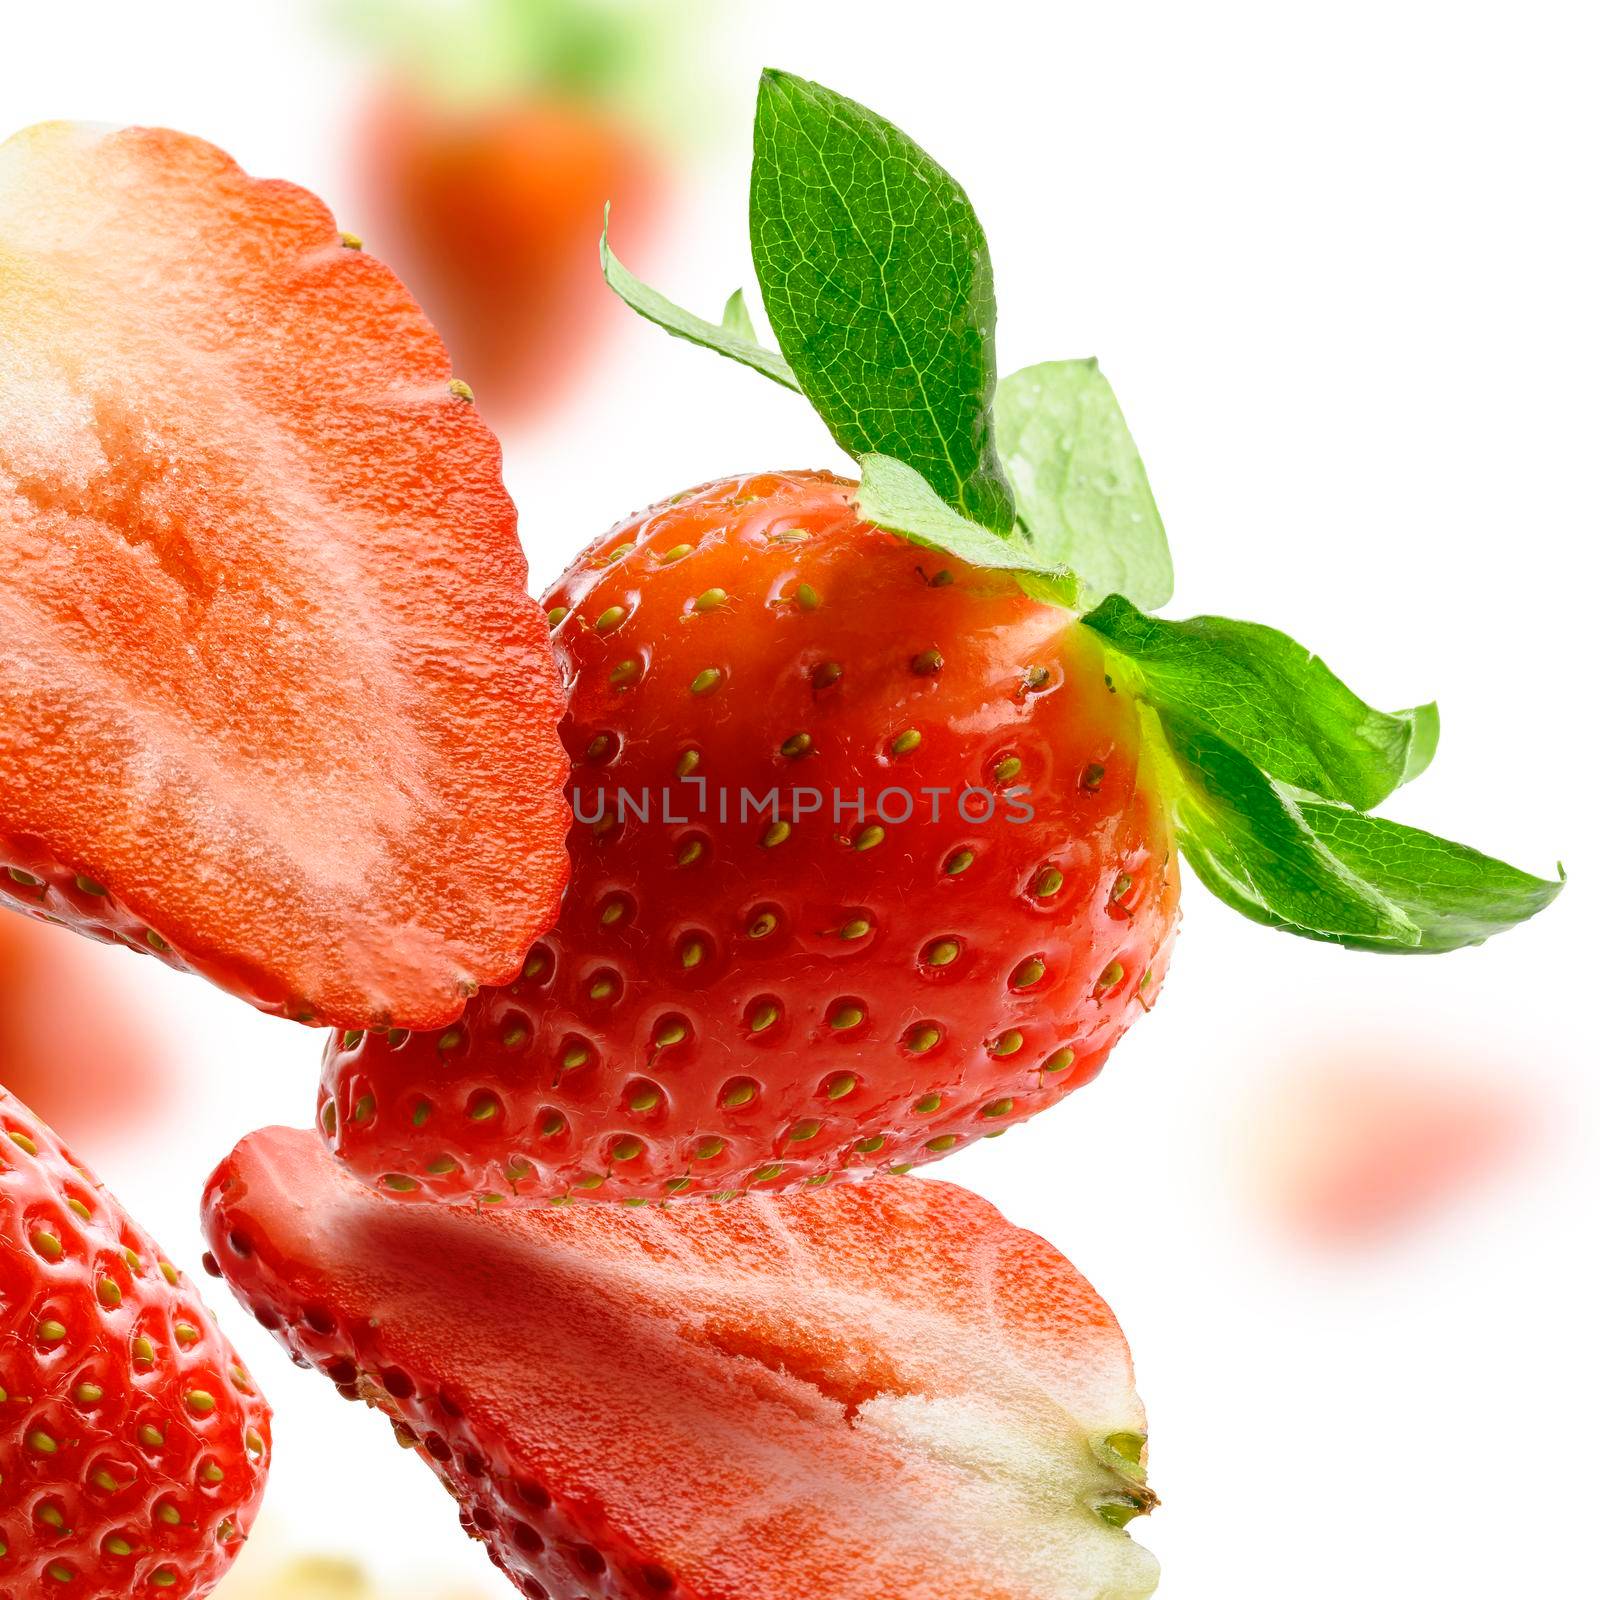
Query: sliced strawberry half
x=274, y=701
x=867, y=1392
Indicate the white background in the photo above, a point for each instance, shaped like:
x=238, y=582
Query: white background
x=1340, y=264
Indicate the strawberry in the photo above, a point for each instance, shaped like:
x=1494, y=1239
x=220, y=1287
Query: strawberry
x=274, y=704
x=488, y=211
x=774, y=998
x=878, y=786
x=868, y=1391
x=133, y=1444
x=485, y=155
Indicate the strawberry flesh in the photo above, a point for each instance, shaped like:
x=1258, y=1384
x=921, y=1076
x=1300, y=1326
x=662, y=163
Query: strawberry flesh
x=274, y=703
x=872, y=1391
x=751, y=1003
x=133, y=1444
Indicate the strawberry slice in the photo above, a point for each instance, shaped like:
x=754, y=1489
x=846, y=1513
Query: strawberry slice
x=274, y=703
x=872, y=1391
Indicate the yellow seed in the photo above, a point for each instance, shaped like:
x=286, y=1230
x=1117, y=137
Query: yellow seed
x=846, y=1016
x=904, y=743
x=1028, y=974
x=116, y=1545
x=627, y=1149
x=775, y=835
x=870, y=1146
x=942, y=952
x=739, y=1093
x=462, y=390
x=706, y=681
x=763, y=1017
x=870, y=837
x=645, y=1099
x=927, y=1105
x=1062, y=1059
x=958, y=862
x=997, y=1108
x=1007, y=1044
x=920, y=1040
x=795, y=746
x=711, y=599
x=108, y=1294
x=1111, y=976
x=943, y=1141
x=47, y=1245
x=676, y=553
x=144, y=1353
x=151, y=1437
x=51, y=1331
x=1048, y=883
x=709, y=1149
x=25, y=1144
x=611, y=617
x=809, y=1128
x=88, y=1394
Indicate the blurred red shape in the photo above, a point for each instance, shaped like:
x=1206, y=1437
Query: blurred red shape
x=1356, y=1154
x=74, y=1045
x=491, y=213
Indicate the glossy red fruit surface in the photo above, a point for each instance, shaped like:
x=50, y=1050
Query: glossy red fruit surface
x=133, y=1444
x=490, y=212
x=876, y=1392
x=738, y=999
x=274, y=703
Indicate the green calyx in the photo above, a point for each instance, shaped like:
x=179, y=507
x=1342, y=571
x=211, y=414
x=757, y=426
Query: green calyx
x=875, y=277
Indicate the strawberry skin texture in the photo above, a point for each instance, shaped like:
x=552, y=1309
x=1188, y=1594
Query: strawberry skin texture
x=728, y=1006
x=876, y=1392
x=490, y=213
x=133, y=1444
x=275, y=705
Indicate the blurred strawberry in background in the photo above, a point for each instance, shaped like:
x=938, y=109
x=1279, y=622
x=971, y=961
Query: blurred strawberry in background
x=1359, y=1152
x=76, y=1045
x=485, y=156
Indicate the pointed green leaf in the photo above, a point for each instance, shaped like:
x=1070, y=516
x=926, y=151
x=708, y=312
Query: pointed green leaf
x=735, y=340
x=736, y=319
x=1272, y=700
x=898, y=498
x=1081, y=488
x=875, y=275
x=1455, y=895
x=1249, y=844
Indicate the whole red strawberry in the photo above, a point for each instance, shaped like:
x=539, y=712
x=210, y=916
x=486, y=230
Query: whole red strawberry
x=133, y=1445
x=875, y=831
x=865, y=866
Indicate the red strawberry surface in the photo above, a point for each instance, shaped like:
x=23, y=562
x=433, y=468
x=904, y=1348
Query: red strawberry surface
x=747, y=999
x=133, y=1444
x=875, y=1392
x=490, y=213
x=274, y=704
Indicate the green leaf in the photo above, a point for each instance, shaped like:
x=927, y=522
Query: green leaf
x=1324, y=871
x=1455, y=895
x=736, y=319
x=897, y=497
x=1249, y=843
x=734, y=338
x=1081, y=488
x=1272, y=700
x=875, y=275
